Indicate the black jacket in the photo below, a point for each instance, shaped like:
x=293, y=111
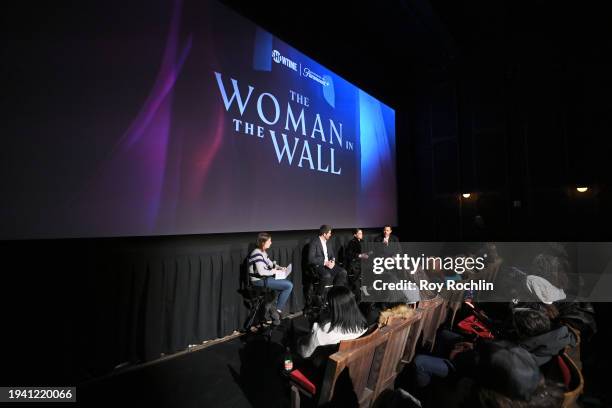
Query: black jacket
x=381, y=238
x=550, y=344
x=579, y=315
x=316, y=256
x=352, y=251
x=390, y=249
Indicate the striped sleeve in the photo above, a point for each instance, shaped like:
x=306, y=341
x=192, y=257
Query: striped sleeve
x=260, y=264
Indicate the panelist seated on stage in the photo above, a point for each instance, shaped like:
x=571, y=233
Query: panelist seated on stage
x=261, y=265
x=322, y=258
x=391, y=245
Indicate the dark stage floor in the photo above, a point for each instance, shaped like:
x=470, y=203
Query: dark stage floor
x=242, y=372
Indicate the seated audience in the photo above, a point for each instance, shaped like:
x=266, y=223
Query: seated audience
x=448, y=346
x=509, y=376
x=535, y=334
x=532, y=332
x=579, y=317
x=401, y=311
x=322, y=258
x=344, y=322
x=547, y=279
x=260, y=265
x=543, y=291
x=380, y=312
x=547, y=395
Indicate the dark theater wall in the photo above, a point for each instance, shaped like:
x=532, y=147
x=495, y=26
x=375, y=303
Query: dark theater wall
x=517, y=116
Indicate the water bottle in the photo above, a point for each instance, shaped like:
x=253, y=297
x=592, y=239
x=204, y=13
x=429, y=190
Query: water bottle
x=288, y=360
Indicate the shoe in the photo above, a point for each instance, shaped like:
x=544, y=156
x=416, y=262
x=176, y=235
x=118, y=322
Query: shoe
x=283, y=315
x=275, y=317
x=364, y=290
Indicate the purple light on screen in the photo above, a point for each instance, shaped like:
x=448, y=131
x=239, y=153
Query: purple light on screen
x=127, y=188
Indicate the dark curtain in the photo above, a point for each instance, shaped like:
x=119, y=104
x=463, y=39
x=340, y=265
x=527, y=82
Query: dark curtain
x=146, y=307
x=80, y=308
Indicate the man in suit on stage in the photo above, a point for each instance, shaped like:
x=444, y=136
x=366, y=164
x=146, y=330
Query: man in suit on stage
x=391, y=245
x=322, y=258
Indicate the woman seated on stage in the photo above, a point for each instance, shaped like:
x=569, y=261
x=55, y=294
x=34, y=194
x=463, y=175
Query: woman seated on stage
x=344, y=322
x=261, y=265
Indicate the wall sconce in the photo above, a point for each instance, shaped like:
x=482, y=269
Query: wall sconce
x=582, y=189
x=466, y=195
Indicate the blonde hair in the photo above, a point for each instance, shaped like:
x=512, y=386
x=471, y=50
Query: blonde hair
x=399, y=311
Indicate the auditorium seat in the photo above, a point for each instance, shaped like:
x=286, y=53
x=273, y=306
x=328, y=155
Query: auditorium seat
x=455, y=301
x=358, y=362
x=574, y=352
x=400, y=330
x=576, y=383
x=434, y=313
x=369, y=363
x=413, y=338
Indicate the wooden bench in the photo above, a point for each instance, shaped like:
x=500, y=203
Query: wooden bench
x=399, y=333
x=576, y=385
x=371, y=363
x=358, y=357
x=433, y=315
x=413, y=338
x=454, y=301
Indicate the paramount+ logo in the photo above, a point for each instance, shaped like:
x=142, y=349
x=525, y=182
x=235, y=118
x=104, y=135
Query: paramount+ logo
x=280, y=59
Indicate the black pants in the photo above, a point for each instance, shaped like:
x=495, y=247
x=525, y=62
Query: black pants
x=354, y=279
x=336, y=276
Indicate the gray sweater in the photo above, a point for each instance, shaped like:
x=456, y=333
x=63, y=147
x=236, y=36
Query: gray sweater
x=260, y=264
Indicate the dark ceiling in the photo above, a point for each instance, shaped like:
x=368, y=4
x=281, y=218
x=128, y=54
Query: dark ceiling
x=365, y=43
x=370, y=42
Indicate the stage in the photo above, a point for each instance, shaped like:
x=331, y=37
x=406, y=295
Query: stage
x=242, y=372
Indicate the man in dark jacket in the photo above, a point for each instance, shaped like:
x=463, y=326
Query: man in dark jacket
x=322, y=259
x=390, y=244
x=535, y=334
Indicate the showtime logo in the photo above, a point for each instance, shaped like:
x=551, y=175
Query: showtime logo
x=279, y=59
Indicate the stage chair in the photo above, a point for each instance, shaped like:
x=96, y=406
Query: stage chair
x=314, y=292
x=255, y=297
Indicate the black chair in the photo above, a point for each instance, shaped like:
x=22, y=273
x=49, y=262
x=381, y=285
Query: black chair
x=256, y=298
x=315, y=293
